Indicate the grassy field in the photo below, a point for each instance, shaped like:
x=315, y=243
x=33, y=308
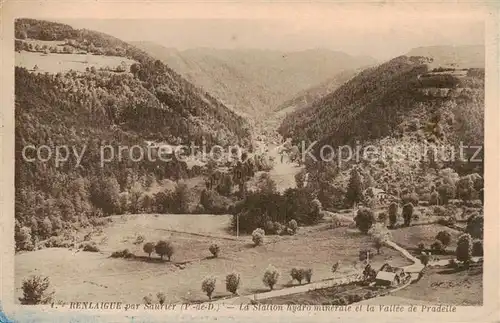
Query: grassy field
x=410, y=237
x=54, y=63
x=442, y=285
x=94, y=276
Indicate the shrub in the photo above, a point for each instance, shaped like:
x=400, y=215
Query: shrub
x=434, y=198
x=369, y=294
x=393, y=214
x=58, y=242
x=308, y=274
x=279, y=228
x=437, y=247
x=164, y=248
x=271, y=276
x=382, y=217
x=35, y=291
x=424, y=259
x=335, y=267
x=90, y=247
x=446, y=192
x=364, y=219
x=420, y=247
x=122, y=254
x=22, y=237
x=215, y=203
x=475, y=227
x=464, y=248
x=407, y=214
x=292, y=224
x=214, y=249
x=410, y=198
x=477, y=248
x=161, y=298
x=355, y=298
x=148, y=299
x=232, y=283
x=139, y=240
x=208, y=286
x=452, y=263
x=343, y=300
x=444, y=237
x=297, y=274
x=148, y=248
x=258, y=236
x=440, y=211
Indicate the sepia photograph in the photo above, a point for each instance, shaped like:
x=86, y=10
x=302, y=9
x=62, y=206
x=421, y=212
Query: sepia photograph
x=282, y=164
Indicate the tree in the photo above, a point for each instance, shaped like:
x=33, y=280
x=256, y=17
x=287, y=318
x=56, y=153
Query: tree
x=354, y=192
x=214, y=249
x=380, y=235
x=22, y=237
x=45, y=228
x=477, y=248
x=148, y=248
x=475, y=227
x=434, y=198
x=364, y=219
x=308, y=274
x=164, y=248
x=316, y=211
x=465, y=188
x=407, y=214
x=161, y=298
x=446, y=192
x=464, y=248
x=393, y=214
x=208, y=286
x=105, y=194
x=35, y=291
x=437, y=247
x=369, y=273
x=180, y=198
x=444, y=237
x=266, y=184
x=292, y=225
x=258, y=236
x=300, y=178
x=297, y=274
x=271, y=276
x=232, y=283
x=424, y=259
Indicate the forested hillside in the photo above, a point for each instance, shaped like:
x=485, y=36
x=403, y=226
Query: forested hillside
x=87, y=109
x=402, y=96
x=255, y=81
x=399, y=108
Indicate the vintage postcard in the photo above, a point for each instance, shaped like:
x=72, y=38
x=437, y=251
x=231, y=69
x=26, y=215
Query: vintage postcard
x=246, y=161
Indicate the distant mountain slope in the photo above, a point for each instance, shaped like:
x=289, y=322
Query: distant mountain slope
x=308, y=96
x=399, y=97
x=255, y=81
x=460, y=56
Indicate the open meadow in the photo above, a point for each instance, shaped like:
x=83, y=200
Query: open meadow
x=94, y=276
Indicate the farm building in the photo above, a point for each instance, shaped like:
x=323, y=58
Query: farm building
x=391, y=276
x=385, y=278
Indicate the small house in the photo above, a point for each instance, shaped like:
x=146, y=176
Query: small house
x=385, y=278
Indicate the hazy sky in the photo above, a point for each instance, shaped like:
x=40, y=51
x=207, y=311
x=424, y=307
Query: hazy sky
x=379, y=32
